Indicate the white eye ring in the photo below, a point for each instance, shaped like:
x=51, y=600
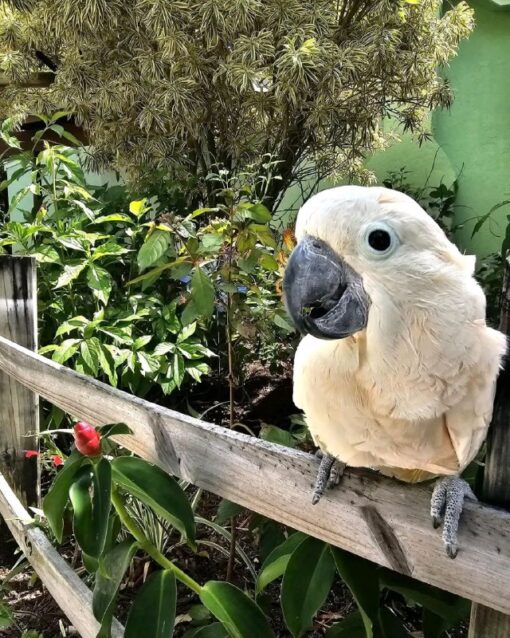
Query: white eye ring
x=379, y=240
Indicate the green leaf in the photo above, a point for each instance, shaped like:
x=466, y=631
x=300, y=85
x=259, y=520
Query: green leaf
x=391, y=626
x=238, y=613
x=108, y=249
x=66, y=350
x=350, y=627
x=113, y=429
x=227, y=509
x=70, y=274
x=137, y=207
x=90, y=497
x=178, y=369
x=202, y=293
x=6, y=616
x=90, y=356
x=140, y=342
x=153, y=611
x=100, y=281
x=114, y=217
x=362, y=578
x=277, y=435
x=55, y=501
x=268, y=262
x=448, y=606
x=216, y=630
x=157, y=490
x=112, y=567
x=306, y=583
x=153, y=249
x=276, y=563
x=259, y=213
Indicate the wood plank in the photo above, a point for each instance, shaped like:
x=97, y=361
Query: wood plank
x=377, y=518
x=19, y=408
x=69, y=592
x=485, y=622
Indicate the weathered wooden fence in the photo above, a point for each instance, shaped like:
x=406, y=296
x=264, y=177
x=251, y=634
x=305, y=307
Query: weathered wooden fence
x=377, y=518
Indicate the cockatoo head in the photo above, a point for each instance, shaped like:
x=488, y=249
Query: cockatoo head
x=362, y=247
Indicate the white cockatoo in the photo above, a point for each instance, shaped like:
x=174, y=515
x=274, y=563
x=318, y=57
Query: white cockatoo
x=398, y=368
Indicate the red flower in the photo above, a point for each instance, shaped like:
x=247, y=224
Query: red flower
x=57, y=460
x=30, y=453
x=87, y=439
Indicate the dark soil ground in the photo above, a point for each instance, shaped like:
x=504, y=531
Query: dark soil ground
x=264, y=398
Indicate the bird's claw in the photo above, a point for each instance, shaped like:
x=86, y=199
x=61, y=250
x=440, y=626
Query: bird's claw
x=446, y=507
x=329, y=475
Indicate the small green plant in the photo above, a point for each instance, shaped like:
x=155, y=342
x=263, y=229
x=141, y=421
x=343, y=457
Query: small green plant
x=98, y=488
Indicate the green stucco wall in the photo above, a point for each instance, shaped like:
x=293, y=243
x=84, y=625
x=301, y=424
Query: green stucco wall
x=472, y=139
x=475, y=133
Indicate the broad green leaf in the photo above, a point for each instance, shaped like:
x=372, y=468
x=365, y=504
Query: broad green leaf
x=114, y=217
x=112, y=567
x=66, y=350
x=137, y=207
x=178, y=369
x=90, y=356
x=362, y=578
x=153, y=611
x=186, y=332
x=90, y=498
x=239, y=614
x=282, y=322
x=227, y=509
x=100, y=281
x=350, y=627
x=268, y=262
x=443, y=604
x=190, y=313
x=306, y=583
x=276, y=563
x=156, y=489
x=140, y=342
x=202, y=292
x=391, y=626
x=55, y=501
x=46, y=254
x=201, y=211
x=164, y=348
x=108, y=249
x=153, y=249
x=113, y=429
x=70, y=274
x=277, y=435
x=259, y=213
x=216, y=630
x=6, y=616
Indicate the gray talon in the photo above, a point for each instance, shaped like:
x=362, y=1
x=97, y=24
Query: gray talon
x=329, y=475
x=446, y=507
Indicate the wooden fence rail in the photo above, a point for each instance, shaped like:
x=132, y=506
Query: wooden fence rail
x=377, y=518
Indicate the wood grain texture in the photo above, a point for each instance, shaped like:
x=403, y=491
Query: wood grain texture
x=69, y=592
x=486, y=622
x=377, y=518
x=19, y=408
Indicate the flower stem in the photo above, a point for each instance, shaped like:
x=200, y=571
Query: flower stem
x=148, y=547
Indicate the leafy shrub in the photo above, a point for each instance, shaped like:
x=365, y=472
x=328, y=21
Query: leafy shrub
x=134, y=293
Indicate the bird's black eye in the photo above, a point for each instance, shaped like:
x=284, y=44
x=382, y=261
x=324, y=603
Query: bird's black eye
x=379, y=239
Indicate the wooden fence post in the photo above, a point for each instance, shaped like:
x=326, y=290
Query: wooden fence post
x=19, y=407
x=486, y=622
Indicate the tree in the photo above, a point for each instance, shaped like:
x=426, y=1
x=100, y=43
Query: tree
x=179, y=85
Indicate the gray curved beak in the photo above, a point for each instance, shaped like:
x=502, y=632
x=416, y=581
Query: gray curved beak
x=324, y=296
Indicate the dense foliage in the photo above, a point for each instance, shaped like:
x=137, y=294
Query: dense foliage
x=185, y=85
x=136, y=293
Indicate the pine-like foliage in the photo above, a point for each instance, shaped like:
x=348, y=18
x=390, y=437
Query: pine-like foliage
x=187, y=83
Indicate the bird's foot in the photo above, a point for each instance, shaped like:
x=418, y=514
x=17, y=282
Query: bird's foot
x=330, y=472
x=446, y=507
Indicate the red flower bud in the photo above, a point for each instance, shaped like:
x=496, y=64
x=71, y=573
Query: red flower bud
x=87, y=439
x=57, y=460
x=30, y=453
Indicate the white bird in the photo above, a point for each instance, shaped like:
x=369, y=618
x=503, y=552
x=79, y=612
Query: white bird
x=398, y=368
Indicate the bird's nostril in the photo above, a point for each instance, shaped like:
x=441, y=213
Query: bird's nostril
x=318, y=312
x=316, y=244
